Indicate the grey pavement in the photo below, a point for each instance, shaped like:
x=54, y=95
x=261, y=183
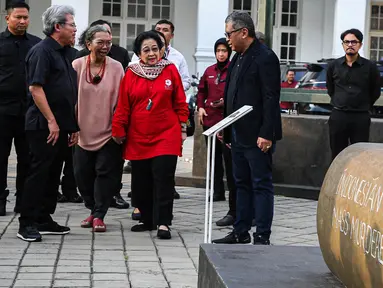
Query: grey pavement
x=121, y=258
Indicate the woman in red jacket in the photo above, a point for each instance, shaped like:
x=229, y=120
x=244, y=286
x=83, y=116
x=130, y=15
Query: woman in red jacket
x=210, y=112
x=150, y=118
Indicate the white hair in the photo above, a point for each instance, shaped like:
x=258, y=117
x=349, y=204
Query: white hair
x=55, y=14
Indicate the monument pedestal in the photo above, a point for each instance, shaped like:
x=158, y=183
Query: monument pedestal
x=242, y=266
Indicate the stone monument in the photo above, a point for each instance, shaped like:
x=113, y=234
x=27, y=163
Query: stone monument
x=350, y=216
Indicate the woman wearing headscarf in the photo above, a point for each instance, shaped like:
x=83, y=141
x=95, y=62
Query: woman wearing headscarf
x=150, y=120
x=210, y=112
x=97, y=158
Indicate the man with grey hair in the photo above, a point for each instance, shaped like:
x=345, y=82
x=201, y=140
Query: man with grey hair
x=253, y=79
x=260, y=36
x=50, y=122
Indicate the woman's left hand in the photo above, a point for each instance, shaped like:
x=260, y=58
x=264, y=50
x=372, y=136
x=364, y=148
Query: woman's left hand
x=184, y=136
x=119, y=140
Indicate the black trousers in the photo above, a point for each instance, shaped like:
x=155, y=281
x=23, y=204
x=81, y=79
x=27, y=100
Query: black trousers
x=13, y=130
x=348, y=128
x=97, y=175
x=223, y=155
x=68, y=182
x=40, y=190
x=153, y=183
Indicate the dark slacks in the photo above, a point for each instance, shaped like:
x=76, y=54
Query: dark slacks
x=347, y=128
x=40, y=190
x=153, y=183
x=97, y=176
x=223, y=155
x=13, y=130
x=253, y=178
x=68, y=182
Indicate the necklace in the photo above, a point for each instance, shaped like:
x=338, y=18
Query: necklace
x=96, y=79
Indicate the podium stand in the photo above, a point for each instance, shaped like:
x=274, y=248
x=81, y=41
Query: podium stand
x=211, y=135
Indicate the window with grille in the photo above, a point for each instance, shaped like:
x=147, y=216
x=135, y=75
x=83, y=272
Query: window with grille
x=131, y=17
x=376, y=32
x=242, y=5
x=288, y=46
x=289, y=16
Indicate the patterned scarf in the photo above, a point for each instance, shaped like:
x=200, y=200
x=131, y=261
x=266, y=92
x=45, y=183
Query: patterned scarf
x=150, y=72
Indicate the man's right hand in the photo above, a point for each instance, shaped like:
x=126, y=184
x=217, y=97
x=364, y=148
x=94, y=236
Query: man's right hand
x=201, y=114
x=54, y=132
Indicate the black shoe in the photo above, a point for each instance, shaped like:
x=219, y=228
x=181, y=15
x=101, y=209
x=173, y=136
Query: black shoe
x=52, y=228
x=217, y=198
x=119, y=203
x=259, y=240
x=3, y=202
x=61, y=198
x=176, y=195
x=29, y=234
x=75, y=199
x=130, y=194
x=228, y=220
x=164, y=234
x=234, y=238
x=141, y=227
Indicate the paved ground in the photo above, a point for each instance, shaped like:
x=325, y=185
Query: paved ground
x=121, y=258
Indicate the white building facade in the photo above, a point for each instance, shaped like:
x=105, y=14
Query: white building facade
x=304, y=30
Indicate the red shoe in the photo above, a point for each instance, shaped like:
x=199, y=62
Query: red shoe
x=88, y=222
x=98, y=225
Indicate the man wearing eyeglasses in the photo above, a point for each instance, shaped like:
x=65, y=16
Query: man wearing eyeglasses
x=253, y=79
x=353, y=83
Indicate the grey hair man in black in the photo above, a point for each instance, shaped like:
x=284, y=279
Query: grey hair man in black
x=50, y=123
x=253, y=79
x=15, y=43
x=353, y=83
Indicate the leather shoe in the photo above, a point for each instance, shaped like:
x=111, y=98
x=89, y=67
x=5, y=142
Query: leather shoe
x=61, y=198
x=260, y=240
x=75, y=199
x=234, y=238
x=136, y=216
x=164, y=234
x=128, y=168
x=119, y=203
x=141, y=227
x=228, y=220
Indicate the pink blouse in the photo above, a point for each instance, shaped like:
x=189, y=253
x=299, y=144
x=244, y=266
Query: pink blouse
x=96, y=103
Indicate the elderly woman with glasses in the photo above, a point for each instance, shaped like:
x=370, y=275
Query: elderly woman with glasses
x=150, y=120
x=97, y=158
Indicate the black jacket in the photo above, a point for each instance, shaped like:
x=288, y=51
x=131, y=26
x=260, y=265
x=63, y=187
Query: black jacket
x=116, y=52
x=258, y=86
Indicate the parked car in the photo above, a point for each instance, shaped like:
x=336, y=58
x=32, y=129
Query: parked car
x=298, y=67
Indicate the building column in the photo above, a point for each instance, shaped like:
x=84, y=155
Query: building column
x=211, y=17
x=348, y=14
x=81, y=8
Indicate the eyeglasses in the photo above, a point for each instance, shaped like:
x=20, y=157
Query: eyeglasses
x=73, y=25
x=228, y=34
x=352, y=42
x=103, y=43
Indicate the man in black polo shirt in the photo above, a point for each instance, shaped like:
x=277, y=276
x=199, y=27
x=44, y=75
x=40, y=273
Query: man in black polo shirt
x=50, y=122
x=121, y=55
x=353, y=84
x=14, y=46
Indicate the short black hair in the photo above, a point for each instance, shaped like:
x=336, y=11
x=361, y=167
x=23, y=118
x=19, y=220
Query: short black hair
x=164, y=21
x=17, y=4
x=101, y=22
x=160, y=33
x=290, y=70
x=144, y=36
x=353, y=31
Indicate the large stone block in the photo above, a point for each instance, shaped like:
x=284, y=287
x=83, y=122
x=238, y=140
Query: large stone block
x=349, y=217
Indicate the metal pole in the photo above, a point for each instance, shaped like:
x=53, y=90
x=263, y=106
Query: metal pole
x=212, y=186
x=207, y=188
x=270, y=5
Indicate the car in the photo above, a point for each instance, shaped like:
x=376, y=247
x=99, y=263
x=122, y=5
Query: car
x=298, y=67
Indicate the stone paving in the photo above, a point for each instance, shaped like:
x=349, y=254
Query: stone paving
x=121, y=258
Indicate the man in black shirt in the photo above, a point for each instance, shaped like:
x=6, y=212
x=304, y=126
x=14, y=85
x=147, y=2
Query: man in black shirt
x=50, y=122
x=121, y=55
x=353, y=84
x=15, y=43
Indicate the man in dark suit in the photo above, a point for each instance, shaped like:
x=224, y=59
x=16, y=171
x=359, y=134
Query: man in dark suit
x=121, y=55
x=253, y=79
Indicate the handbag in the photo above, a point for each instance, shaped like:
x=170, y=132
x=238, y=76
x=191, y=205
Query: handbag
x=190, y=124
